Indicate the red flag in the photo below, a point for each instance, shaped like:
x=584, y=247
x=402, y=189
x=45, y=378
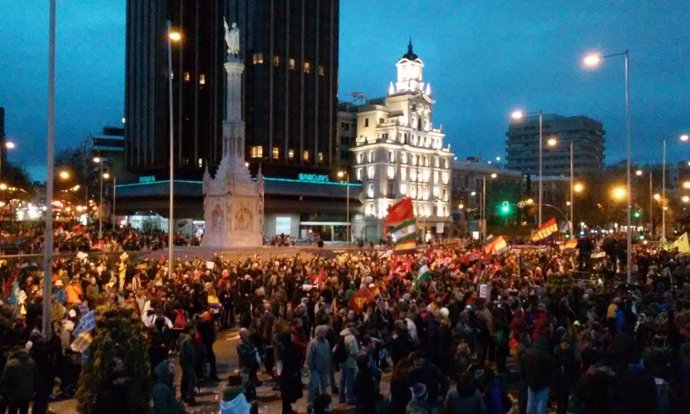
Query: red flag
x=548, y=228
x=318, y=278
x=359, y=300
x=400, y=212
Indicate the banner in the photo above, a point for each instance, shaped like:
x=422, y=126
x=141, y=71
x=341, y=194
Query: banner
x=569, y=245
x=544, y=231
x=87, y=323
x=422, y=276
x=682, y=244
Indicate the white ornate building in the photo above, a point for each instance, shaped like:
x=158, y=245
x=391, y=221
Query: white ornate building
x=399, y=153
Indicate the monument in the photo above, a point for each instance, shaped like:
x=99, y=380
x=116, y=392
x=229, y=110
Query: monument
x=233, y=202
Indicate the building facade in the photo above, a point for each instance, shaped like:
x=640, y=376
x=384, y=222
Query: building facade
x=347, y=132
x=586, y=135
x=290, y=50
x=399, y=153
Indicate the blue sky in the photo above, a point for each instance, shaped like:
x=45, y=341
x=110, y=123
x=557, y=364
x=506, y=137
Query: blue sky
x=483, y=59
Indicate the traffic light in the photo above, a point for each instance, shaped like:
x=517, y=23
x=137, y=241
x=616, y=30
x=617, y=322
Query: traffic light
x=505, y=207
x=637, y=214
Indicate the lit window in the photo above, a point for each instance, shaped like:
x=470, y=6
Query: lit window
x=403, y=189
x=201, y=162
x=435, y=191
x=444, y=177
x=291, y=154
x=258, y=58
x=291, y=64
x=391, y=156
x=403, y=173
x=276, y=60
x=370, y=172
x=322, y=71
x=436, y=163
x=202, y=79
x=305, y=155
x=436, y=176
x=276, y=153
x=257, y=151
x=403, y=158
x=391, y=172
x=360, y=158
x=359, y=174
x=370, y=190
x=371, y=156
x=187, y=76
x=319, y=157
x=307, y=68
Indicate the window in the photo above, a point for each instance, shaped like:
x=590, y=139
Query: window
x=291, y=154
x=436, y=163
x=444, y=194
x=403, y=189
x=201, y=162
x=391, y=172
x=344, y=126
x=305, y=155
x=257, y=151
x=391, y=189
x=276, y=153
x=370, y=209
x=319, y=157
x=391, y=156
x=307, y=67
x=366, y=122
x=370, y=190
x=371, y=156
x=276, y=60
x=403, y=173
x=187, y=77
x=291, y=63
x=202, y=79
x=381, y=121
x=403, y=157
x=359, y=174
x=322, y=71
x=258, y=58
x=360, y=157
x=370, y=172
x=444, y=177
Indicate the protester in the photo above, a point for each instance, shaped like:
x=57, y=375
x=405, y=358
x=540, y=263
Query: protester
x=18, y=380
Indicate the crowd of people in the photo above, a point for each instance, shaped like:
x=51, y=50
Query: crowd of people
x=459, y=330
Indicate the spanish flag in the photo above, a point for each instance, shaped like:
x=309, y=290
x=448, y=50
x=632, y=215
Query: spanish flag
x=545, y=230
x=570, y=244
x=402, y=226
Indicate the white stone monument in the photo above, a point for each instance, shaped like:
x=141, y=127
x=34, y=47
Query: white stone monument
x=233, y=203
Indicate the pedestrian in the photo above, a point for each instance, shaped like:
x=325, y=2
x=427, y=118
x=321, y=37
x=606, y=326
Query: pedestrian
x=248, y=356
x=465, y=398
x=319, y=364
x=365, y=388
x=536, y=368
x=348, y=368
x=188, y=360
x=289, y=371
x=164, y=401
x=17, y=382
x=419, y=404
x=207, y=331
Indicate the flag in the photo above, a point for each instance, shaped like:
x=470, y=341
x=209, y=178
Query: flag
x=496, y=246
x=318, y=278
x=423, y=275
x=544, y=231
x=87, y=323
x=570, y=244
x=82, y=342
x=682, y=244
x=402, y=225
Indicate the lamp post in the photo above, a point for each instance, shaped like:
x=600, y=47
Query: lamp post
x=518, y=115
x=639, y=173
x=346, y=175
x=7, y=145
x=99, y=161
x=173, y=36
x=594, y=60
x=50, y=166
x=683, y=138
x=482, y=205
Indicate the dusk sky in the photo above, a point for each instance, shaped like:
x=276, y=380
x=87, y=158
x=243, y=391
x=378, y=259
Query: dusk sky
x=483, y=59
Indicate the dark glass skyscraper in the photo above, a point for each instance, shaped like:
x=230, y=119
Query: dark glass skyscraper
x=290, y=50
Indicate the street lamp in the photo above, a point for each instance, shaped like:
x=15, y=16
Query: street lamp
x=639, y=173
x=682, y=138
x=592, y=60
x=619, y=193
x=99, y=161
x=8, y=145
x=343, y=174
x=518, y=115
x=173, y=36
x=482, y=211
x=64, y=175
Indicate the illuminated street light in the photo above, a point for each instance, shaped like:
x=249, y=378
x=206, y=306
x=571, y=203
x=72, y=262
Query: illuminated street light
x=175, y=36
x=3, y=186
x=684, y=137
x=473, y=193
x=686, y=185
x=494, y=175
x=517, y=115
x=551, y=142
x=657, y=197
x=619, y=193
x=592, y=59
x=685, y=199
x=64, y=175
x=461, y=206
x=12, y=145
x=638, y=173
x=106, y=176
x=97, y=160
x=578, y=188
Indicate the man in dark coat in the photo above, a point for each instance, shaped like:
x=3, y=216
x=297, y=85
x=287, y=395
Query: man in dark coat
x=207, y=331
x=536, y=369
x=188, y=357
x=290, y=372
x=17, y=383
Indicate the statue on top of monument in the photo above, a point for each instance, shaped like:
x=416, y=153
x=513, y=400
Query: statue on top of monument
x=232, y=38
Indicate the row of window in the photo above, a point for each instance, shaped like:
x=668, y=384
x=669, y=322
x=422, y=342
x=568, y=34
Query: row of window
x=421, y=175
x=188, y=78
x=258, y=59
x=412, y=159
x=419, y=210
x=257, y=151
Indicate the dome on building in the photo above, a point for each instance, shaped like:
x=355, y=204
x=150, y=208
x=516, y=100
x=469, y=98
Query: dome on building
x=410, y=55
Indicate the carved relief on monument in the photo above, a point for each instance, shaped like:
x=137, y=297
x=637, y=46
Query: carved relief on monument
x=243, y=219
x=216, y=218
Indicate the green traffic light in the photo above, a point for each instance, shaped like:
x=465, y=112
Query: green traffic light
x=505, y=207
x=637, y=214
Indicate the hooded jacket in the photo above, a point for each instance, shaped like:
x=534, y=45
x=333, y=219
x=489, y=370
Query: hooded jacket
x=234, y=402
x=18, y=377
x=164, y=401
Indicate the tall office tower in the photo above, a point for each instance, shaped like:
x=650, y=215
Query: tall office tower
x=291, y=83
x=198, y=85
x=586, y=135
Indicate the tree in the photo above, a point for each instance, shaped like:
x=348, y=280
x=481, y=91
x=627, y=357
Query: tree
x=116, y=375
x=15, y=175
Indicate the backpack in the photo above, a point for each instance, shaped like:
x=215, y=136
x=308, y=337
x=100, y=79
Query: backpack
x=340, y=351
x=180, y=320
